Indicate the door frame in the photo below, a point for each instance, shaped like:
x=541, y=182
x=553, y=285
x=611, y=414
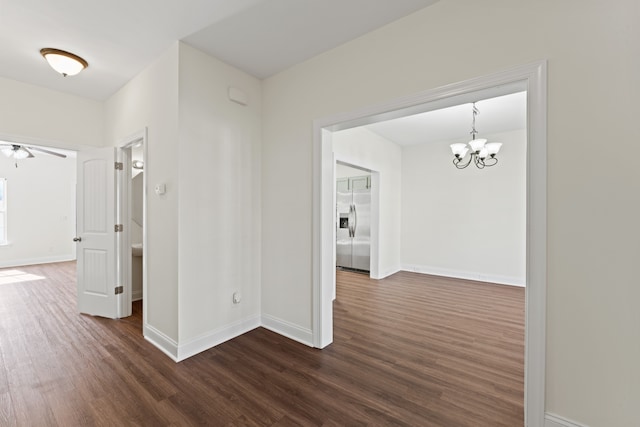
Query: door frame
x=123, y=216
x=533, y=77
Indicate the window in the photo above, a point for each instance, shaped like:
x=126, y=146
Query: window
x=3, y=211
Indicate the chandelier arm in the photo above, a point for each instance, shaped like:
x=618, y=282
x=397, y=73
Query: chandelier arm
x=491, y=161
x=479, y=162
x=456, y=162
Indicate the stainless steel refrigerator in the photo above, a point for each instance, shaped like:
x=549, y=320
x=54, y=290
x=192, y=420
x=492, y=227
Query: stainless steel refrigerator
x=353, y=228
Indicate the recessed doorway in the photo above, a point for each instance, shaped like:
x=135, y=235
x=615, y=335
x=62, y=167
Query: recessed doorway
x=531, y=78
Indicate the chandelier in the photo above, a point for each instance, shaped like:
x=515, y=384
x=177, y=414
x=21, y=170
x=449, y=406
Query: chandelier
x=482, y=153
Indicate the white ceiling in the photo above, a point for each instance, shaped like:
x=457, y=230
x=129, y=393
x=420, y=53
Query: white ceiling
x=276, y=34
x=498, y=114
x=119, y=38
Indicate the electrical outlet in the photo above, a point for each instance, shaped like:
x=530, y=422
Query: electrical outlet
x=237, y=297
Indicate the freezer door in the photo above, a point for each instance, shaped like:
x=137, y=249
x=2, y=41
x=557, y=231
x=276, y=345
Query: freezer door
x=343, y=236
x=361, y=246
x=359, y=183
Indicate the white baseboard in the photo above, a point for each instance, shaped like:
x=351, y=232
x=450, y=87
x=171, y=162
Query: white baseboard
x=213, y=338
x=480, y=277
x=136, y=295
x=178, y=353
x=388, y=272
x=165, y=344
x=289, y=330
x=35, y=261
x=553, y=420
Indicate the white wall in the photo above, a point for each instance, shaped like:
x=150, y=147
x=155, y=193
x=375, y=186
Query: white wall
x=361, y=147
x=151, y=100
x=203, y=235
x=32, y=114
x=219, y=202
x=593, y=339
x=137, y=196
x=136, y=199
x=468, y=223
x=41, y=210
x=439, y=220
x=344, y=171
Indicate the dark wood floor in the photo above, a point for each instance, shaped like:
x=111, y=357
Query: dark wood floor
x=409, y=350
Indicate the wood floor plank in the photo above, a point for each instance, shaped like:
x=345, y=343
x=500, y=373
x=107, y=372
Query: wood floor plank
x=7, y=412
x=409, y=350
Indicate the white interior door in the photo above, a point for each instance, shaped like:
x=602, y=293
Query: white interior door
x=95, y=234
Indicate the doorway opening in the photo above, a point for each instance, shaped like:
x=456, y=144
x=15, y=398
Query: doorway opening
x=353, y=218
x=37, y=202
x=104, y=232
x=356, y=197
x=132, y=200
x=451, y=226
x=530, y=78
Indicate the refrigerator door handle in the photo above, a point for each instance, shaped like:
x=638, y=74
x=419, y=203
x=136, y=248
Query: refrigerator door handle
x=355, y=220
x=350, y=216
x=351, y=228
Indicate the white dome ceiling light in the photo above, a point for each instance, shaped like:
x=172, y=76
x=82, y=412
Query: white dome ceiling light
x=65, y=63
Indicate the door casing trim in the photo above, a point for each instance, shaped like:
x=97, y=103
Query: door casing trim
x=533, y=77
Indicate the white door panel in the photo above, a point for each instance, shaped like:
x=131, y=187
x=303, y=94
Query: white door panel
x=96, y=213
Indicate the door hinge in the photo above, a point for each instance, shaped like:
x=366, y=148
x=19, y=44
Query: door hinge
x=119, y=228
x=119, y=290
x=119, y=166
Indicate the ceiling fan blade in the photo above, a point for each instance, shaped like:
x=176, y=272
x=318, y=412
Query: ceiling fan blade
x=28, y=152
x=44, y=150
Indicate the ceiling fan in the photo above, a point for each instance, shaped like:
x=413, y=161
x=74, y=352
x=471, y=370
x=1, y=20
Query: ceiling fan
x=19, y=151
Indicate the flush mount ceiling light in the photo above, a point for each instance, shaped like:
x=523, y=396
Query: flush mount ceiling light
x=65, y=63
x=482, y=153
